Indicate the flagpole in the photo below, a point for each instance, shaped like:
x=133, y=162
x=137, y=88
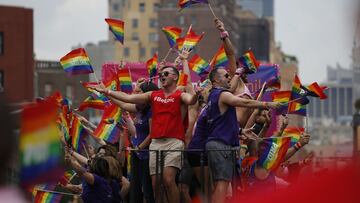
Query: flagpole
x=294, y=100
x=97, y=80
x=72, y=177
x=56, y=192
x=306, y=125
x=211, y=9
x=87, y=154
x=168, y=53
x=261, y=91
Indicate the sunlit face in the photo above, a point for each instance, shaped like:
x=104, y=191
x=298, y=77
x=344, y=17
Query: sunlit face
x=101, y=152
x=167, y=77
x=223, y=78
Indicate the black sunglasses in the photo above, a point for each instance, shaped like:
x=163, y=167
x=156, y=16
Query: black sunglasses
x=227, y=75
x=165, y=73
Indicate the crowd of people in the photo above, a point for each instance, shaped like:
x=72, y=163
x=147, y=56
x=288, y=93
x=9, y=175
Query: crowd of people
x=185, y=141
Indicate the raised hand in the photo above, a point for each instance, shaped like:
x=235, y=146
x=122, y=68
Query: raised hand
x=304, y=139
x=219, y=25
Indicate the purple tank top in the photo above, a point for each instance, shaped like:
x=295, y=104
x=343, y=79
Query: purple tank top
x=200, y=134
x=223, y=128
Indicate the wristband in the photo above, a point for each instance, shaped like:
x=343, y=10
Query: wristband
x=297, y=146
x=224, y=35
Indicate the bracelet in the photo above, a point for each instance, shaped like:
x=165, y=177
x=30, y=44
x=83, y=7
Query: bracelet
x=224, y=35
x=297, y=146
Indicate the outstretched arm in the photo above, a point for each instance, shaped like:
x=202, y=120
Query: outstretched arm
x=128, y=98
x=230, y=100
x=304, y=140
x=124, y=106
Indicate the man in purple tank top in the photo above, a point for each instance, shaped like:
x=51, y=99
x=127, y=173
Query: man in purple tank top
x=224, y=129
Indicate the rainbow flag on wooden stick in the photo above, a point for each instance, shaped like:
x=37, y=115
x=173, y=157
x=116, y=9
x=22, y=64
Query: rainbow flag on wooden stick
x=192, y=39
x=186, y=3
x=47, y=197
x=183, y=78
x=77, y=133
x=106, y=130
x=125, y=80
x=220, y=59
x=249, y=62
x=294, y=133
x=273, y=152
x=172, y=34
x=117, y=28
x=151, y=65
x=199, y=65
x=76, y=62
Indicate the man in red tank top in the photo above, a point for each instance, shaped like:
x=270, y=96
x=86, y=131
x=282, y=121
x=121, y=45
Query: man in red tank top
x=167, y=130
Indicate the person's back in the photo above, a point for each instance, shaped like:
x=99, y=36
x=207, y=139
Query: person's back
x=100, y=191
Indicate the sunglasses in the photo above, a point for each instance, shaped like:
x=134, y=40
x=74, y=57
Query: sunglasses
x=164, y=74
x=227, y=75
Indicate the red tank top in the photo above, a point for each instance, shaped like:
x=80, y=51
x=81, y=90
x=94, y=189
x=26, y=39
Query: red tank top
x=166, y=116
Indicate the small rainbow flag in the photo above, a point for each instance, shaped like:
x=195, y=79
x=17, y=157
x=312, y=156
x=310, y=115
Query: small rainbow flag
x=94, y=101
x=220, y=58
x=199, y=65
x=67, y=177
x=109, y=131
x=62, y=121
x=294, y=133
x=316, y=90
x=77, y=133
x=249, y=62
x=180, y=42
x=191, y=39
x=186, y=3
x=47, y=197
x=296, y=88
x=125, y=80
x=76, y=62
x=183, y=78
x=151, y=65
x=39, y=145
x=283, y=97
x=117, y=28
x=297, y=108
x=273, y=152
x=172, y=34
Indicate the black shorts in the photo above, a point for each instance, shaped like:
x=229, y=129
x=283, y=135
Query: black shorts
x=194, y=159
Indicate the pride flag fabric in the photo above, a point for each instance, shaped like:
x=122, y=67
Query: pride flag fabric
x=68, y=175
x=294, y=133
x=192, y=39
x=172, y=34
x=117, y=28
x=39, y=145
x=76, y=62
x=273, y=152
x=106, y=130
x=47, y=197
x=77, y=133
x=125, y=80
x=199, y=65
x=180, y=42
x=297, y=108
x=298, y=100
x=317, y=90
x=220, y=59
x=151, y=65
x=186, y=3
x=283, y=97
x=183, y=78
x=249, y=62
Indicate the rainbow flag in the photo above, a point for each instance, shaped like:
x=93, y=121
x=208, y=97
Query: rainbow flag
x=199, y=65
x=125, y=80
x=67, y=177
x=183, y=78
x=220, y=59
x=77, y=133
x=64, y=124
x=316, y=90
x=47, y=197
x=39, y=145
x=191, y=39
x=117, y=28
x=172, y=34
x=283, y=97
x=296, y=88
x=180, y=42
x=151, y=65
x=273, y=152
x=76, y=62
x=94, y=101
x=186, y=3
x=297, y=108
x=109, y=131
x=294, y=133
x=249, y=62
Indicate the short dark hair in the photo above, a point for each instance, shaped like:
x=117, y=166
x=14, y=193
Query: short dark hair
x=148, y=86
x=212, y=74
x=100, y=167
x=173, y=68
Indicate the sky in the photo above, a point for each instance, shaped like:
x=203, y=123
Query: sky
x=317, y=32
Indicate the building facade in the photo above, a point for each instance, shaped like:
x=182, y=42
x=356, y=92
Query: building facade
x=16, y=54
x=261, y=8
x=50, y=77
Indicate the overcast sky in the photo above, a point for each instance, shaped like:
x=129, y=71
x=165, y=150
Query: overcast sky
x=316, y=31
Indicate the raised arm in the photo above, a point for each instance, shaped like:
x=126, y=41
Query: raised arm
x=130, y=125
x=304, y=140
x=231, y=100
x=125, y=106
x=128, y=98
x=86, y=176
x=189, y=99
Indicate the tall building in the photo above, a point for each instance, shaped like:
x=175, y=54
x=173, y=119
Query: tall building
x=16, y=54
x=261, y=8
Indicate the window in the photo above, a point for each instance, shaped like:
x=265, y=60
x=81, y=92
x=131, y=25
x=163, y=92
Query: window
x=135, y=23
x=134, y=36
x=181, y=20
x=69, y=92
x=153, y=23
x=156, y=7
x=1, y=43
x=142, y=52
x=116, y=7
x=47, y=89
x=153, y=37
x=126, y=52
x=2, y=81
x=142, y=7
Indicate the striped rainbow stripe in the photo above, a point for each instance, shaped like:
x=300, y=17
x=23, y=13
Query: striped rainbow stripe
x=220, y=58
x=125, y=80
x=47, y=197
x=151, y=65
x=183, y=78
x=314, y=87
x=294, y=133
x=77, y=133
x=281, y=96
x=172, y=34
x=249, y=62
x=109, y=131
x=199, y=65
x=180, y=42
x=275, y=149
x=76, y=62
x=192, y=39
x=117, y=28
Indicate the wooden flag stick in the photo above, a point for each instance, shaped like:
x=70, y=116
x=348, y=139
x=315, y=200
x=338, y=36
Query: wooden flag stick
x=261, y=92
x=212, y=11
x=87, y=154
x=96, y=78
x=168, y=53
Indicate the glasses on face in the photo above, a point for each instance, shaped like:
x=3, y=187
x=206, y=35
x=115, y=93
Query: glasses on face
x=227, y=75
x=164, y=74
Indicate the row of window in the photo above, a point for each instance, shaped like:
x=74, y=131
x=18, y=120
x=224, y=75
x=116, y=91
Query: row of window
x=142, y=7
x=153, y=36
x=142, y=51
x=153, y=23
